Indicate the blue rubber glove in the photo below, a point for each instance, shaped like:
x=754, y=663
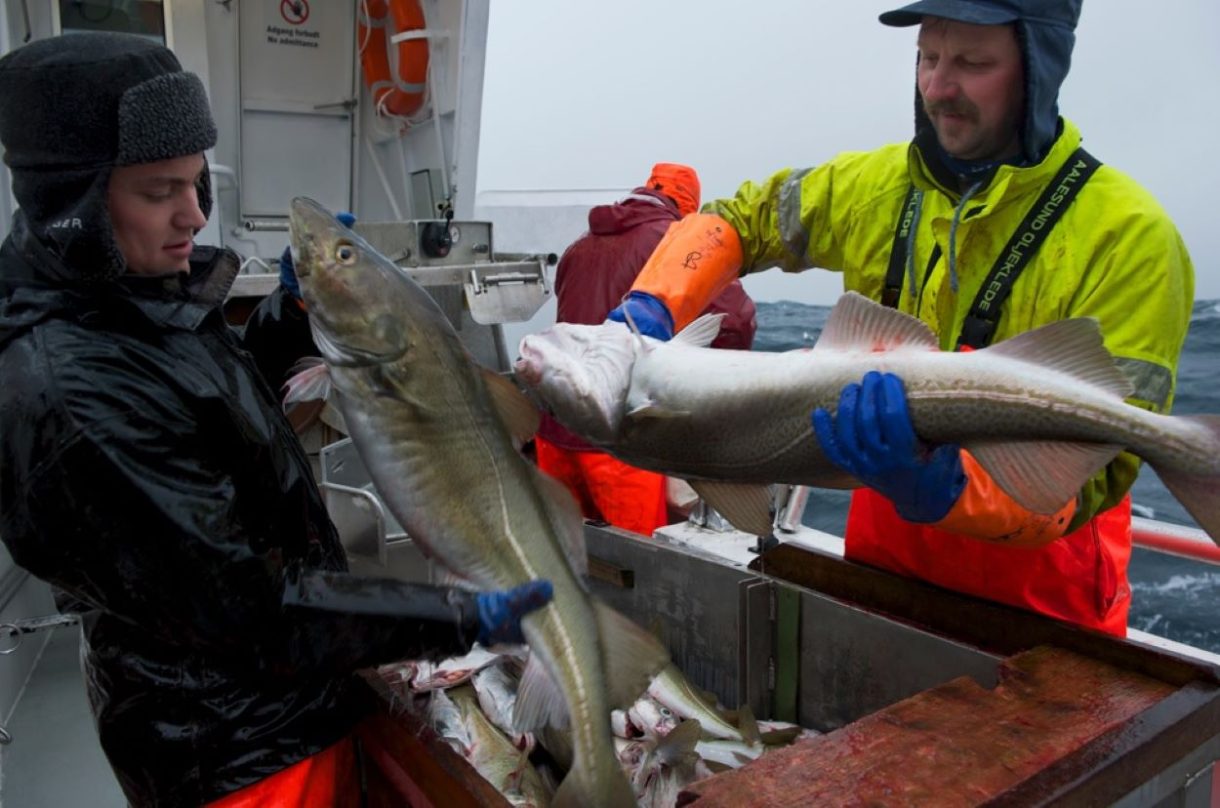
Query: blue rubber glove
x=288, y=272
x=648, y=313
x=500, y=612
x=872, y=439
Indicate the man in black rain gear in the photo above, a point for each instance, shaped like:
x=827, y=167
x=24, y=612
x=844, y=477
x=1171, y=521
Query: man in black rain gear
x=146, y=470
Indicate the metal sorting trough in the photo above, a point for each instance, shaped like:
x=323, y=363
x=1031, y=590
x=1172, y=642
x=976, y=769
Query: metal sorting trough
x=742, y=635
x=806, y=636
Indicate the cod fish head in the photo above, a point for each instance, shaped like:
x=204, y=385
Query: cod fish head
x=361, y=306
x=582, y=374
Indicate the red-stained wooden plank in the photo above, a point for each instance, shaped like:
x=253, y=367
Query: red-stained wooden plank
x=410, y=765
x=956, y=744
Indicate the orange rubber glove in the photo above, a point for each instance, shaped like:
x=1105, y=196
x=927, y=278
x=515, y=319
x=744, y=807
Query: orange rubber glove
x=698, y=258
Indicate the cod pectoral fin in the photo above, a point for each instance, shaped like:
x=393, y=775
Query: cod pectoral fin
x=631, y=656
x=747, y=724
x=701, y=332
x=520, y=416
x=746, y=506
x=673, y=748
x=857, y=323
x=1042, y=475
x=780, y=737
x=310, y=381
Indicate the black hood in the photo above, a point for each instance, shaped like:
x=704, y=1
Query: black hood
x=36, y=286
x=74, y=107
x=1046, y=33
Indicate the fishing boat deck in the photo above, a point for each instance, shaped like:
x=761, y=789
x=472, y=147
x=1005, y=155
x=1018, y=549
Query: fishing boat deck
x=55, y=760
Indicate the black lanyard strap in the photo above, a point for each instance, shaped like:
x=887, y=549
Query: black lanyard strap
x=981, y=323
x=898, y=253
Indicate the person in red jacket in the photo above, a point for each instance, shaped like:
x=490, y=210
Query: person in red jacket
x=593, y=275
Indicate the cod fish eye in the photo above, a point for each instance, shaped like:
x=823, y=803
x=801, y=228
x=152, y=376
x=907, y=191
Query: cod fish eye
x=345, y=254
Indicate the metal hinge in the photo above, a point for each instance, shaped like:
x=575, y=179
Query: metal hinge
x=16, y=628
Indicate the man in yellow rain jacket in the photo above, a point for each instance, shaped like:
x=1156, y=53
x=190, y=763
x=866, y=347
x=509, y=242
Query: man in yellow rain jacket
x=989, y=223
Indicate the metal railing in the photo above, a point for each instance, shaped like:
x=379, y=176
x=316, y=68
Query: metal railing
x=1151, y=534
x=1177, y=540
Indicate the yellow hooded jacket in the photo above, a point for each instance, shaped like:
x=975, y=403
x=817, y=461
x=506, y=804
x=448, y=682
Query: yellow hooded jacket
x=1114, y=256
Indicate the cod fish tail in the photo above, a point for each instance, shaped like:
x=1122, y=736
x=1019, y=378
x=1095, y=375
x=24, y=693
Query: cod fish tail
x=1198, y=493
x=595, y=783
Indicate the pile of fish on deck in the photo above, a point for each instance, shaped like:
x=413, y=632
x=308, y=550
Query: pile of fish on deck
x=672, y=736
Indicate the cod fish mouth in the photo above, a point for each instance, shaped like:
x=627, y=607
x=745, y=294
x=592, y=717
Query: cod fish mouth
x=529, y=364
x=581, y=373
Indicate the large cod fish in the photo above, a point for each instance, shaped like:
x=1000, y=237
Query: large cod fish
x=1041, y=412
x=431, y=428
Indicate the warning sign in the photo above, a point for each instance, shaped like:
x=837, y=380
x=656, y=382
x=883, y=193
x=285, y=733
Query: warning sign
x=296, y=50
x=294, y=12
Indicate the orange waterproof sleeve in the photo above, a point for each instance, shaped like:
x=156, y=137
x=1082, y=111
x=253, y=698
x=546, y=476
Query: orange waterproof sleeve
x=698, y=258
x=984, y=511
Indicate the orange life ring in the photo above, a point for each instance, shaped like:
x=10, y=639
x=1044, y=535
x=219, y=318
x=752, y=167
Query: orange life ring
x=400, y=88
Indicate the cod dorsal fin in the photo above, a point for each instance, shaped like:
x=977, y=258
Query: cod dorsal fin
x=858, y=324
x=701, y=332
x=1074, y=347
x=630, y=655
x=540, y=702
x=567, y=520
x=520, y=417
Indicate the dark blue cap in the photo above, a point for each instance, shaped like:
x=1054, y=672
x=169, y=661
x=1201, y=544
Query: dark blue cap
x=988, y=12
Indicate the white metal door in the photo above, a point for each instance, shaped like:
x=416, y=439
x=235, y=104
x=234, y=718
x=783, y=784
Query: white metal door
x=297, y=85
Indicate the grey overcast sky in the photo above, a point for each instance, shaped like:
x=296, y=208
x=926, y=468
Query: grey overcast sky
x=581, y=95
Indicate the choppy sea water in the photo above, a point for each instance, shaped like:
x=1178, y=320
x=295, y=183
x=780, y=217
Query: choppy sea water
x=1171, y=597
